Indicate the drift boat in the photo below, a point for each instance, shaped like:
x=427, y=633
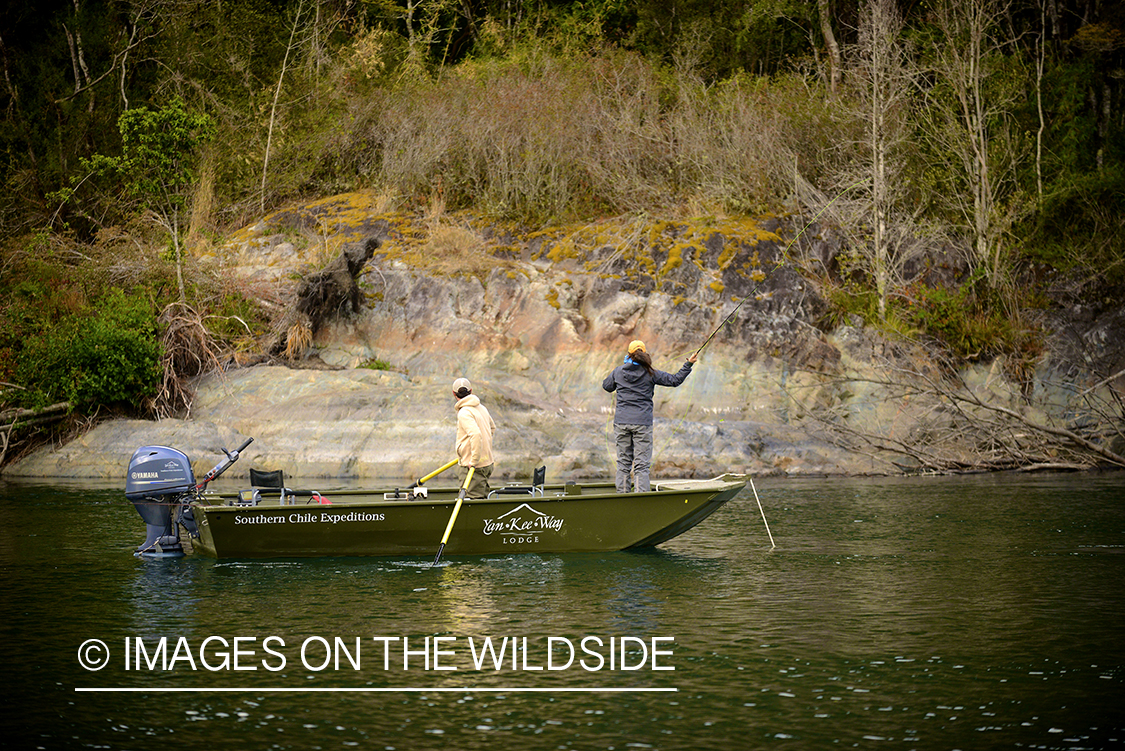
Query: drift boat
x=282, y=523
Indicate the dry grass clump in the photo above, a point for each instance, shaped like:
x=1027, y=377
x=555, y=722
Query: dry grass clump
x=457, y=249
x=439, y=243
x=189, y=350
x=545, y=139
x=298, y=339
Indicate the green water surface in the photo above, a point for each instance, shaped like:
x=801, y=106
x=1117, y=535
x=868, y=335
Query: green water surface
x=948, y=613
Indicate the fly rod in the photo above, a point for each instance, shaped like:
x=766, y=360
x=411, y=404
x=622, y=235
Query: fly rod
x=784, y=253
x=725, y=320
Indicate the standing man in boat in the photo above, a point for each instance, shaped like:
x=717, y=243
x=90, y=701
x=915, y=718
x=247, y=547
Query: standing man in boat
x=635, y=381
x=474, y=438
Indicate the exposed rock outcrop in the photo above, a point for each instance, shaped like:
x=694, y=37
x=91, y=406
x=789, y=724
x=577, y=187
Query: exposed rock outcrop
x=536, y=323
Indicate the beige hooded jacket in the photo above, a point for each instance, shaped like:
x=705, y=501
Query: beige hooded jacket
x=474, y=433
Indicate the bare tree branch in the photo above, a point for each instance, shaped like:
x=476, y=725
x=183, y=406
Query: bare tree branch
x=952, y=427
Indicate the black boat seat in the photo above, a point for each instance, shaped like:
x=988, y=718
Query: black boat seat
x=269, y=482
x=535, y=488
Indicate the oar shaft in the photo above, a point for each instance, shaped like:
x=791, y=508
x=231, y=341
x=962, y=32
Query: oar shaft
x=435, y=473
x=452, y=519
x=453, y=516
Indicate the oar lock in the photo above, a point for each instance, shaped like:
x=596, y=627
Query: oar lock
x=418, y=491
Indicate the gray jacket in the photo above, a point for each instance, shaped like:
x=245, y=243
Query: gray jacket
x=634, y=387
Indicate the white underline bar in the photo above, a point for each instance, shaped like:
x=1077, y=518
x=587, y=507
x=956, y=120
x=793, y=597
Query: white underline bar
x=378, y=690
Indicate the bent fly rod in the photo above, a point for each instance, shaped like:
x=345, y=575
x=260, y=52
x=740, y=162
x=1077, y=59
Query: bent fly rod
x=784, y=253
x=725, y=320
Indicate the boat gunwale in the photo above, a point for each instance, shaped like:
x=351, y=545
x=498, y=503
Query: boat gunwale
x=448, y=496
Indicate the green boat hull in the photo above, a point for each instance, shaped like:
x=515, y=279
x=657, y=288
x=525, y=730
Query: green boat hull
x=552, y=519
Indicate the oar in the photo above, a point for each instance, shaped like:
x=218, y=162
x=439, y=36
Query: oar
x=453, y=517
x=435, y=473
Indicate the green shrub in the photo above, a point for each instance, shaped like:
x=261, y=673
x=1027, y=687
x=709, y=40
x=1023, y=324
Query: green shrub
x=1078, y=223
x=967, y=327
x=972, y=328
x=948, y=317
x=106, y=354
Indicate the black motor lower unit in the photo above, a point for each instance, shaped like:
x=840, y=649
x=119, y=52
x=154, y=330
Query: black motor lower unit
x=159, y=482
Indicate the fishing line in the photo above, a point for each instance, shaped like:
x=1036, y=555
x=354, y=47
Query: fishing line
x=763, y=513
x=725, y=320
x=754, y=289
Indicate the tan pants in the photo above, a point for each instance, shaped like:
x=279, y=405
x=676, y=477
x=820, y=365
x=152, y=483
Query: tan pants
x=478, y=486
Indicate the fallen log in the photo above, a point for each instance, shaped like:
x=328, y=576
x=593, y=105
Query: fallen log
x=14, y=414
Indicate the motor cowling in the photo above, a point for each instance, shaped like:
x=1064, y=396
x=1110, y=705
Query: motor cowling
x=157, y=478
x=158, y=471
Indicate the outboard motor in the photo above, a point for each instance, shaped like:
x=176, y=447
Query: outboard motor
x=161, y=484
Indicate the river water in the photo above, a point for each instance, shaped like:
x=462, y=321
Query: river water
x=928, y=613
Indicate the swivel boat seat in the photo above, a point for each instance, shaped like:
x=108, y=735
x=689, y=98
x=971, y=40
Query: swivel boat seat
x=535, y=488
x=271, y=482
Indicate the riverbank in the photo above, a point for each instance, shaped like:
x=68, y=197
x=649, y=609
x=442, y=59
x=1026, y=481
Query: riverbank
x=536, y=322
x=360, y=423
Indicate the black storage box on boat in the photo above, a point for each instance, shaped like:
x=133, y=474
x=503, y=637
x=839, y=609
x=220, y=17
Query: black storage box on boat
x=156, y=471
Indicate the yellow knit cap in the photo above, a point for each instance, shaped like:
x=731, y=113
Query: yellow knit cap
x=635, y=345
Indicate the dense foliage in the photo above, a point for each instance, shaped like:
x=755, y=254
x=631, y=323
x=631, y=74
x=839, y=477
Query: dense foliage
x=104, y=353
x=67, y=336
x=981, y=135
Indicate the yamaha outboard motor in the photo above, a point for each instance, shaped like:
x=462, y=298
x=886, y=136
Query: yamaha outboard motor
x=160, y=485
x=158, y=476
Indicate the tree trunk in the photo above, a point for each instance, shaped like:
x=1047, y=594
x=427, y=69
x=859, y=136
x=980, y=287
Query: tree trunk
x=887, y=78
x=273, y=107
x=831, y=45
x=79, y=60
x=879, y=73
x=975, y=125
x=1040, y=63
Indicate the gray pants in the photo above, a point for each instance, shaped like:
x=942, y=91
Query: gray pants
x=634, y=455
x=478, y=486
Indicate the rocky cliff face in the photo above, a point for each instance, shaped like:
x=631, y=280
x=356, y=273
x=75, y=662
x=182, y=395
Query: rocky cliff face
x=536, y=323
